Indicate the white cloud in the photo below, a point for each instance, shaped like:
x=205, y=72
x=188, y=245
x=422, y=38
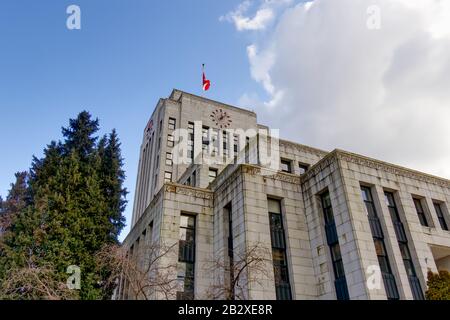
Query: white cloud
x=333, y=83
x=263, y=16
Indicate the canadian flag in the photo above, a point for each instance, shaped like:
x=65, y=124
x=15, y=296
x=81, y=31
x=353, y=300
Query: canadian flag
x=206, y=82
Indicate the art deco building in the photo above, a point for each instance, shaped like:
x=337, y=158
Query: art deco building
x=330, y=225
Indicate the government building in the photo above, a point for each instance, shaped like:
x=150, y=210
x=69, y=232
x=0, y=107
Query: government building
x=308, y=224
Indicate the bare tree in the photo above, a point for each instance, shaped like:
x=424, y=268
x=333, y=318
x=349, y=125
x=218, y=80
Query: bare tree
x=35, y=283
x=141, y=275
x=234, y=276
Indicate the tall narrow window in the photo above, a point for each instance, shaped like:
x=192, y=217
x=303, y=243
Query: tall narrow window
x=440, y=215
x=194, y=179
x=380, y=247
x=228, y=216
x=235, y=145
x=404, y=248
x=205, y=138
x=190, y=142
x=280, y=265
x=340, y=282
x=225, y=144
x=150, y=234
x=247, y=150
x=186, y=257
x=420, y=212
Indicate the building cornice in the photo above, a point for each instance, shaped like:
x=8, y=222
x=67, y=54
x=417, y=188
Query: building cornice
x=360, y=160
x=203, y=99
x=391, y=168
x=176, y=188
x=303, y=148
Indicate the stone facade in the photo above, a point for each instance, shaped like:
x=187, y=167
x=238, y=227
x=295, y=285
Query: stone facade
x=325, y=242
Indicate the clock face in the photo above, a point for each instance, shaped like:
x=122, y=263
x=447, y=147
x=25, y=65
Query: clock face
x=221, y=118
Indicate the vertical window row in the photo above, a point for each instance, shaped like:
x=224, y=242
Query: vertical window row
x=186, y=257
x=235, y=147
x=340, y=282
x=190, y=142
x=205, y=138
x=404, y=248
x=380, y=247
x=225, y=144
x=228, y=216
x=280, y=264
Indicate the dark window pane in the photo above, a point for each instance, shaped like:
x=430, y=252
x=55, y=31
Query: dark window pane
x=379, y=247
x=336, y=252
x=384, y=264
x=286, y=166
x=339, y=269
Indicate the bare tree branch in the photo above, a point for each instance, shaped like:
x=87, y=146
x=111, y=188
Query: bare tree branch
x=142, y=275
x=234, y=279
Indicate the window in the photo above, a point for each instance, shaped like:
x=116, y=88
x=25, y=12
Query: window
x=378, y=241
x=340, y=282
x=194, y=179
x=172, y=123
x=212, y=174
x=186, y=257
x=390, y=202
x=280, y=265
x=303, y=168
x=155, y=181
x=190, y=142
x=225, y=144
x=420, y=212
x=150, y=232
x=169, y=160
x=205, y=137
x=170, y=140
x=368, y=201
x=247, y=150
x=286, y=166
x=227, y=211
x=167, y=176
x=440, y=215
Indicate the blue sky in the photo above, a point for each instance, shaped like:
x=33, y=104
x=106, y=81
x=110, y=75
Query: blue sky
x=126, y=56
x=303, y=67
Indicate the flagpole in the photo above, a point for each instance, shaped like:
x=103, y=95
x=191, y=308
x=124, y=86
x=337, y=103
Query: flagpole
x=203, y=72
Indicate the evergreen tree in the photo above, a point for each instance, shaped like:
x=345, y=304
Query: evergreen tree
x=113, y=178
x=72, y=206
x=79, y=136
